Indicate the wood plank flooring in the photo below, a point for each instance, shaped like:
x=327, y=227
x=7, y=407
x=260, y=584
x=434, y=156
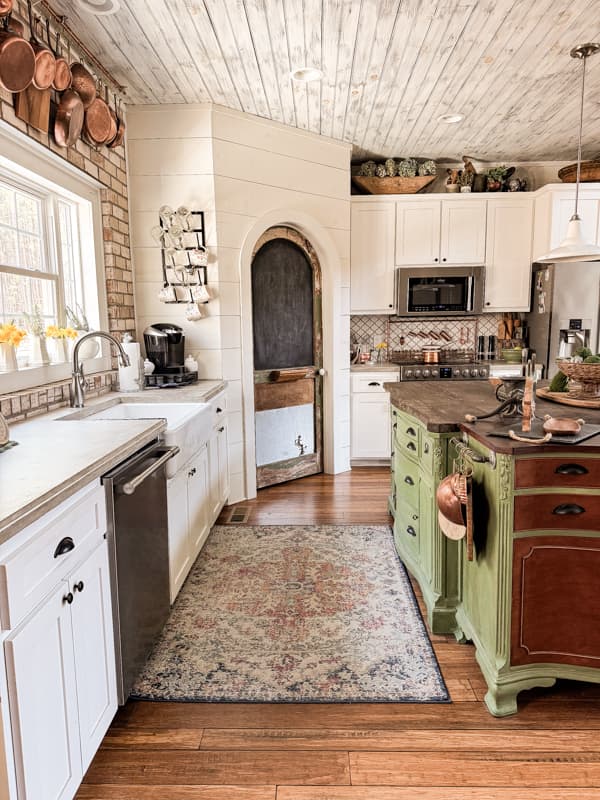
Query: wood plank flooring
x=550, y=750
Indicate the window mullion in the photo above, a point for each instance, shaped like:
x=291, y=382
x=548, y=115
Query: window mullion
x=58, y=261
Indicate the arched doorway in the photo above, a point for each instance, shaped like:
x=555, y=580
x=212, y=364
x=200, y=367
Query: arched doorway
x=288, y=357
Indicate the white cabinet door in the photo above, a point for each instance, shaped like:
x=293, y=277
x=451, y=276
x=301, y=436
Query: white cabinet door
x=463, y=232
x=198, y=500
x=213, y=476
x=587, y=210
x=93, y=644
x=180, y=557
x=43, y=702
x=370, y=426
x=372, y=258
x=223, y=457
x=418, y=233
x=508, y=264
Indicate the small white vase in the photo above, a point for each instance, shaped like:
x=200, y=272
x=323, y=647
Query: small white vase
x=39, y=352
x=8, y=357
x=89, y=349
x=58, y=351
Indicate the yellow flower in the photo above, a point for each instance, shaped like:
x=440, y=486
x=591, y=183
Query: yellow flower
x=70, y=333
x=381, y=346
x=54, y=332
x=10, y=334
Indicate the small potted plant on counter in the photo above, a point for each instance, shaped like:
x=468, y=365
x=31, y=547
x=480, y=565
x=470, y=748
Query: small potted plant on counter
x=79, y=322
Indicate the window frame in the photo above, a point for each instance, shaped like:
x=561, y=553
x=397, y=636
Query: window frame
x=27, y=165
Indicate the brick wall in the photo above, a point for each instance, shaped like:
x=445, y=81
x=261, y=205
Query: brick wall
x=108, y=167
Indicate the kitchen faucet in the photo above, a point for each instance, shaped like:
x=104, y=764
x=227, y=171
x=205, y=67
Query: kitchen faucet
x=77, y=388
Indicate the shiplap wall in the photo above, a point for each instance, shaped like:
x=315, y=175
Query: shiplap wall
x=246, y=174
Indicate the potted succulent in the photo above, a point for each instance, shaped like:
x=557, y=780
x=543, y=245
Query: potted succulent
x=495, y=178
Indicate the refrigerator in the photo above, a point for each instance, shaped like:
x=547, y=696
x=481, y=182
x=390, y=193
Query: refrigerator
x=564, y=297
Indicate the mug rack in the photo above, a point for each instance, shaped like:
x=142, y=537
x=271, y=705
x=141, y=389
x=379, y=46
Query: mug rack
x=198, y=273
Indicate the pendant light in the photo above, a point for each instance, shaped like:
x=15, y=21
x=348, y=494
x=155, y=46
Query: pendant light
x=574, y=247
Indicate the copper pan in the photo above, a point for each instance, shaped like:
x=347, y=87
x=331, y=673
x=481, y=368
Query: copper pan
x=62, y=74
x=45, y=63
x=113, y=119
x=6, y=7
x=69, y=119
x=98, y=121
x=121, y=128
x=17, y=60
x=83, y=83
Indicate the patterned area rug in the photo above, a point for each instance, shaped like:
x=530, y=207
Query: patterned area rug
x=295, y=614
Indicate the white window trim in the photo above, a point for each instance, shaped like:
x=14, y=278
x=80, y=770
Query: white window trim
x=50, y=170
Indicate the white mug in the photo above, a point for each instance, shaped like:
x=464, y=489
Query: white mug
x=167, y=294
x=192, y=312
x=200, y=293
x=199, y=256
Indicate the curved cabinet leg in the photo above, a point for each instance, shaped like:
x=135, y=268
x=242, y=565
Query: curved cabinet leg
x=501, y=700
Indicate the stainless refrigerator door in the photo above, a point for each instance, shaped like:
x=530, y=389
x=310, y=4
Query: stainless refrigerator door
x=576, y=296
x=540, y=316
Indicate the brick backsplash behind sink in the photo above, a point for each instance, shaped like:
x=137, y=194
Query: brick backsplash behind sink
x=109, y=168
x=462, y=330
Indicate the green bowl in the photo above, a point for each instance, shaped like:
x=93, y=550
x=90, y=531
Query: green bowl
x=512, y=355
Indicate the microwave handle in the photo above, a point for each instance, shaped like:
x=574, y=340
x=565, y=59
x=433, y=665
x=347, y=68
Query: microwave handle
x=470, y=292
x=396, y=298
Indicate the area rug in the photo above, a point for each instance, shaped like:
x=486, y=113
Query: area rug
x=295, y=614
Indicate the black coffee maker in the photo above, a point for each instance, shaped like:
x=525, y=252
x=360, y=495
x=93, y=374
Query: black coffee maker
x=164, y=344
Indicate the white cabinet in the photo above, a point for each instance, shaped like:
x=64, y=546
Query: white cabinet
x=508, y=262
x=188, y=506
x=219, y=471
x=449, y=232
x=554, y=207
x=372, y=257
x=370, y=416
x=61, y=675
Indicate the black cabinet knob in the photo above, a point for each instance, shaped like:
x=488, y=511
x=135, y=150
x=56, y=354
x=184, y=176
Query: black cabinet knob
x=221, y=429
x=79, y=586
x=409, y=480
x=64, y=546
x=411, y=531
x=411, y=446
x=411, y=431
x=68, y=598
x=436, y=260
x=444, y=259
x=426, y=447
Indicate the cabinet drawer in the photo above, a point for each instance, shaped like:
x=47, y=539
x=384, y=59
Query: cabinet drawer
x=406, y=530
x=560, y=511
x=51, y=547
x=407, y=483
x=568, y=471
x=406, y=440
x=426, y=445
x=372, y=382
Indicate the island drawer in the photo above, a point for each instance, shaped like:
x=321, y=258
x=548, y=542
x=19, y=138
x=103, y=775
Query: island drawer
x=567, y=471
x=407, y=481
x=47, y=550
x=406, y=530
x=406, y=437
x=559, y=511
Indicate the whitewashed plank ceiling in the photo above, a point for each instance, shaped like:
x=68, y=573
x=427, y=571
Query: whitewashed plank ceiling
x=391, y=68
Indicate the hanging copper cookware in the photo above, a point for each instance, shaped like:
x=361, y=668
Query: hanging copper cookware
x=45, y=63
x=121, y=128
x=62, y=73
x=113, y=119
x=68, y=121
x=6, y=7
x=97, y=122
x=83, y=83
x=17, y=59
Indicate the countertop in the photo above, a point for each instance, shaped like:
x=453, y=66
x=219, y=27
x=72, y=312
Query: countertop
x=56, y=457
x=442, y=409
x=385, y=367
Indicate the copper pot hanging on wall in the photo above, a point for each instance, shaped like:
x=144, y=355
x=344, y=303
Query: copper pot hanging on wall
x=45, y=63
x=83, y=83
x=62, y=74
x=68, y=121
x=98, y=121
x=17, y=59
x=121, y=128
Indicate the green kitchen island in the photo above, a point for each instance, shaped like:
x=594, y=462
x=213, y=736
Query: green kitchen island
x=530, y=598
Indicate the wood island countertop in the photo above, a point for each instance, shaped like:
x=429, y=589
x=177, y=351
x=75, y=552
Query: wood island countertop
x=441, y=407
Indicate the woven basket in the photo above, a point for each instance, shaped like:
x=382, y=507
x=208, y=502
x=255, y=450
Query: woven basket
x=584, y=379
x=590, y=171
x=393, y=185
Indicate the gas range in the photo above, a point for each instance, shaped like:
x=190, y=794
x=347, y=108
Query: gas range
x=470, y=371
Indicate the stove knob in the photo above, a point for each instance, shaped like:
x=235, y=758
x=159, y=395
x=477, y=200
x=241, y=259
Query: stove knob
x=408, y=373
x=426, y=373
x=465, y=373
x=435, y=373
x=474, y=373
x=483, y=373
x=417, y=373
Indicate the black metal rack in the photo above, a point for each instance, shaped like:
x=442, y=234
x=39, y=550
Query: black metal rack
x=198, y=273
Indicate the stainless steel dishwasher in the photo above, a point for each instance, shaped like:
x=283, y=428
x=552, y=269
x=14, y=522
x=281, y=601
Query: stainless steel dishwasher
x=136, y=501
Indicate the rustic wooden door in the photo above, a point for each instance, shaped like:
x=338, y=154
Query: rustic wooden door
x=288, y=384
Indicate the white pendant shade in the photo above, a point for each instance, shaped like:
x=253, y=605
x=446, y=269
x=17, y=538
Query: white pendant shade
x=573, y=247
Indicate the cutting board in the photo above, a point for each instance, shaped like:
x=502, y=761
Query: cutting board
x=537, y=432
x=33, y=107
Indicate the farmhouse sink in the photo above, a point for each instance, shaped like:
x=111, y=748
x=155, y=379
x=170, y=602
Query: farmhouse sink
x=188, y=424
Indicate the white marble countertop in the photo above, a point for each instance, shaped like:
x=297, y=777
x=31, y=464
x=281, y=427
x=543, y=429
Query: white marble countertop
x=55, y=457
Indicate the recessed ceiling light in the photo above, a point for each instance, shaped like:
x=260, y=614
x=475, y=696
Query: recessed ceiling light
x=100, y=7
x=306, y=74
x=451, y=118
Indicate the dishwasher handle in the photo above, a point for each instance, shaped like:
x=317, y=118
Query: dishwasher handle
x=130, y=486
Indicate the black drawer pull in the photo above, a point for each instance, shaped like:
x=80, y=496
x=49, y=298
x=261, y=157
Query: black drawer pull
x=395, y=425
x=426, y=447
x=374, y=383
x=565, y=509
x=68, y=598
x=79, y=587
x=571, y=469
x=64, y=546
x=411, y=446
x=220, y=430
x=411, y=431
x=411, y=531
x=409, y=480
x=219, y=410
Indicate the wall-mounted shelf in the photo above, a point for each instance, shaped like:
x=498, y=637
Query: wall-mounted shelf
x=194, y=242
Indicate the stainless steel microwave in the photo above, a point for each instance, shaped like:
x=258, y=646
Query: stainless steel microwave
x=425, y=291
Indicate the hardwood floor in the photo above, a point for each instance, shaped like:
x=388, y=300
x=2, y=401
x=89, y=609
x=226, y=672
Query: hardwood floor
x=550, y=750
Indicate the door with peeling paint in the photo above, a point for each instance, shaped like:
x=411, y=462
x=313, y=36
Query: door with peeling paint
x=288, y=386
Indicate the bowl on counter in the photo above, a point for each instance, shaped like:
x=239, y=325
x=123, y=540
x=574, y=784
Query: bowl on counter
x=512, y=355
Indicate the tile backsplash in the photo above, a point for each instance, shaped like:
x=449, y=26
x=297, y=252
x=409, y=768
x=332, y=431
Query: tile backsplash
x=460, y=333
